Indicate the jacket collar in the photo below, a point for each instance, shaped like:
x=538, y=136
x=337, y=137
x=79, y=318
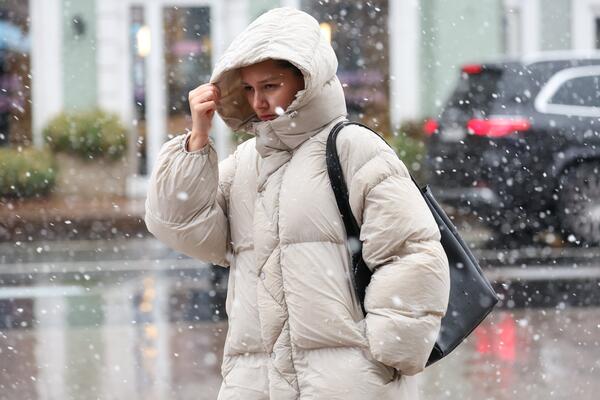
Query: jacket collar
x=278, y=138
x=300, y=122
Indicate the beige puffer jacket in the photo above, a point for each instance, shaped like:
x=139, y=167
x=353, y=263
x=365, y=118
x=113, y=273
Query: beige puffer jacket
x=268, y=212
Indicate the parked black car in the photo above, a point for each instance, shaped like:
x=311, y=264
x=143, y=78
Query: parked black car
x=518, y=144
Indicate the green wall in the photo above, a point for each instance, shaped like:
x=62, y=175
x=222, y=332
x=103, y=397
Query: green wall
x=258, y=7
x=454, y=32
x=79, y=55
x=555, y=24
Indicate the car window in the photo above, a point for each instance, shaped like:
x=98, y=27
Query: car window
x=581, y=91
x=491, y=91
x=475, y=91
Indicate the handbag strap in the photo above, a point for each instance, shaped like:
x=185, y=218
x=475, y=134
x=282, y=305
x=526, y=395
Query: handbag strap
x=331, y=147
x=360, y=272
x=338, y=183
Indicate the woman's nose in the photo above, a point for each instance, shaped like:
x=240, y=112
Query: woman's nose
x=259, y=101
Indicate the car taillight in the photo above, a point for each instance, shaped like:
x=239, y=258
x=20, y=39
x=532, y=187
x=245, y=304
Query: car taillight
x=472, y=69
x=497, y=127
x=430, y=126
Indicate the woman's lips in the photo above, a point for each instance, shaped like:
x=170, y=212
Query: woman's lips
x=267, y=117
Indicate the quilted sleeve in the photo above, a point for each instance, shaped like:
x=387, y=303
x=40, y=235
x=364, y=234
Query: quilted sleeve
x=408, y=293
x=186, y=206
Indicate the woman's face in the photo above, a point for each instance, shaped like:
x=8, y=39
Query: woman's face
x=270, y=88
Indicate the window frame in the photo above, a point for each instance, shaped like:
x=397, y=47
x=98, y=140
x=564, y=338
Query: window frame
x=542, y=101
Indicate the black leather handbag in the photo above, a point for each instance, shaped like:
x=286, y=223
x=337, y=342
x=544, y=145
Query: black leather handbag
x=472, y=297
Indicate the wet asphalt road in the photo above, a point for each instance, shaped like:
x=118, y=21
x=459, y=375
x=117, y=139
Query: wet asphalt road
x=134, y=320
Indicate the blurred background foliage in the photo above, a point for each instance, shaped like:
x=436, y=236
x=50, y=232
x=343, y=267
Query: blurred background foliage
x=409, y=143
x=87, y=134
x=26, y=172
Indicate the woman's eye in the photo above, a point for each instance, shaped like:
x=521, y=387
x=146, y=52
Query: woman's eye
x=270, y=86
x=247, y=88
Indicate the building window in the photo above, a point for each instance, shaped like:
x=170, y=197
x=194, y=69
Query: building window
x=597, y=33
x=359, y=36
x=187, y=57
x=139, y=40
x=15, y=81
x=187, y=60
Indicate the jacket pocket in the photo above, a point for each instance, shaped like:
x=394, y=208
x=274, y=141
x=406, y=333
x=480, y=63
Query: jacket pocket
x=388, y=374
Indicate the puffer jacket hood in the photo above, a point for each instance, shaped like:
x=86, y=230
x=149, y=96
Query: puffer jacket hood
x=294, y=36
x=295, y=328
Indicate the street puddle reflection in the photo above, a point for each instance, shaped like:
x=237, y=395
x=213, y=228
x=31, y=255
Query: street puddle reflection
x=160, y=334
x=523, y=354
x=149, y=336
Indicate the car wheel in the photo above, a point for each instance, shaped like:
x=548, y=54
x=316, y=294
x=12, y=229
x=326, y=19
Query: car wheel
x=579, y=203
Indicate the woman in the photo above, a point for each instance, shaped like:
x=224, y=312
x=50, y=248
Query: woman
x=268, y=212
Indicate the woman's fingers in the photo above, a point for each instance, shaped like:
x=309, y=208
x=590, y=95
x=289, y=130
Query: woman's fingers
x=204, y=93
x=202, y=99
x=204, y=107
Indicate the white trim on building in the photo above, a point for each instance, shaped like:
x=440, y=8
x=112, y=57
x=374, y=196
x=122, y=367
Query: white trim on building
x=156, y=88
x=112, y=58
x=404, y=44
x=584, y=14
x=530, y=26
x=513, y=28
x=46, y=64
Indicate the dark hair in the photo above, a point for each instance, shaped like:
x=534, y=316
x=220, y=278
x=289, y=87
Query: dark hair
x=288, y=65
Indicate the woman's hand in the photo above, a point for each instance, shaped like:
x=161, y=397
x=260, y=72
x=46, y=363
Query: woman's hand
x=203, y=104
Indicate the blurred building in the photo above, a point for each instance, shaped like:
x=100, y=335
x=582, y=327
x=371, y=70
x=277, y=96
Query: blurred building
x=398, y=59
